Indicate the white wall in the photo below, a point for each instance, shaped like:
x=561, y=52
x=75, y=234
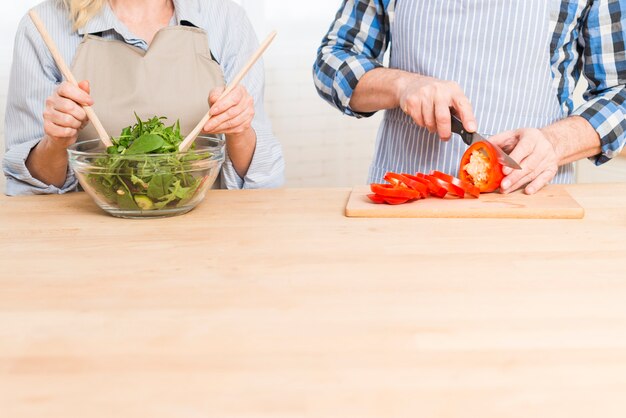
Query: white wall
x=322, y=147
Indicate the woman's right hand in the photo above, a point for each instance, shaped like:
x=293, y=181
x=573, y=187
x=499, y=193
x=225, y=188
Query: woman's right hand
x=64, y=115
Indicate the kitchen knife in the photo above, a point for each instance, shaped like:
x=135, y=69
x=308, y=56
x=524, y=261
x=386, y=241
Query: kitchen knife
x=471, y=138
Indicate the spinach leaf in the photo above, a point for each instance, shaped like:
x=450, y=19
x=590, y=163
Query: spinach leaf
x=159, y=185
x=145, y=144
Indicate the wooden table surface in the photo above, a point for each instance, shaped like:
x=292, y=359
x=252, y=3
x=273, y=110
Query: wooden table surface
x=273, y=304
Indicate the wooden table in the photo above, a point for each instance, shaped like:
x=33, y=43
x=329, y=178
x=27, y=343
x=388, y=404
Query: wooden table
x=273, y=304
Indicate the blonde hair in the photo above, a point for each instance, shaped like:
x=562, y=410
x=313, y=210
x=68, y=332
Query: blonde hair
x=81, y=11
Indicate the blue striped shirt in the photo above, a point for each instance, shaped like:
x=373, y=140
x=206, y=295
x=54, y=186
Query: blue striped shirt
x=34, y=76
x=588, y=40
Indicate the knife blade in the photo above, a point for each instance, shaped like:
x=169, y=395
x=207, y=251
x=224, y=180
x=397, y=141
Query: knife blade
x=470, y=138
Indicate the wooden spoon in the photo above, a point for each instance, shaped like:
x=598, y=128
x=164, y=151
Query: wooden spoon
x=184, y=146
x=67, y=74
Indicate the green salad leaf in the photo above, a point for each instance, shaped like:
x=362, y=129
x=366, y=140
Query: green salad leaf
x=144, y=171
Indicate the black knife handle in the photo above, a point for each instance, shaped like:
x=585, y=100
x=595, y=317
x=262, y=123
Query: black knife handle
x=457, y=128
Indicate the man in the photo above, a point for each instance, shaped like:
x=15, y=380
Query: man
x=506, y=68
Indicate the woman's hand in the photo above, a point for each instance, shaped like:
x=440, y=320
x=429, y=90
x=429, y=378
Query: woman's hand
x=233, y=114
x=428, y=101
x=64, y=115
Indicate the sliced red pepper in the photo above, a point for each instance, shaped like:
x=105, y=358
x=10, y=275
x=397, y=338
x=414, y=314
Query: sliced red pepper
x=449, y=187
x=405, y=180
x=388, y=200
x=468, y=187
x=395, y=179
x=396, y=191
x=434, y=189
x=481, y=160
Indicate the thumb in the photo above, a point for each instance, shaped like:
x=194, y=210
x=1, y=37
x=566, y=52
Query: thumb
x=505, y=140
x=84, y=85
x=215, y=94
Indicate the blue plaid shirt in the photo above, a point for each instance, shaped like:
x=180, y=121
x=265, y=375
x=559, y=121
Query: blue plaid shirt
x=588, y=40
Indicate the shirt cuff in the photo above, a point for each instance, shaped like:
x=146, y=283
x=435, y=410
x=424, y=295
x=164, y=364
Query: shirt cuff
x=608, y=119
x=267, y=168
x=229, y=178
x=346, y=79
x=19, y=179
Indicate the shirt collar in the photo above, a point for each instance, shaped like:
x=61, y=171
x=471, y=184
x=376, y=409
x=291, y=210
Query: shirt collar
x=184, y=13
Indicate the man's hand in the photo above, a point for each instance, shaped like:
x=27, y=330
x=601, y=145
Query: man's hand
x=429, y=101
x=535, y=152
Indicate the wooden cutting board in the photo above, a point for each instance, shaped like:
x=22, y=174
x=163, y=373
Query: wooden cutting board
x=553, y=202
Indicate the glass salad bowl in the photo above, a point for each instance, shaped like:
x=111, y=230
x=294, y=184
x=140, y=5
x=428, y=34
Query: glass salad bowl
x=147, y=185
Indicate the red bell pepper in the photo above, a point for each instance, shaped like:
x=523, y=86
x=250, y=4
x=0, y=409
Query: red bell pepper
x=395, y=191
x=406, y=181
x=480, y=167
x=434, y=189
x=389, y=200
x=468, y=187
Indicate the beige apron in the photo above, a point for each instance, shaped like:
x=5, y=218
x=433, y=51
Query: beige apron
x=172, y=79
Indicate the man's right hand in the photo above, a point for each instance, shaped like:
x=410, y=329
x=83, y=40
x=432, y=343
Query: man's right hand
x=64, y=115
x=429, y=102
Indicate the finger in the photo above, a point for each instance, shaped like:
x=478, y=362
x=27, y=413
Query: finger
x=215, y=94
x=231, y=113
x=56, y=131
x=463, y=108
x=505, y=140
x=540, y=182
x=413, y=108
x=62, y=119
x=63, y=105
x=237, y=124
x=231, y=99
x=428, y=113
x=418, y=116
x=524, y=149
x=532, y=167
x=443, y=120
x=75, y=94
x=84, y=85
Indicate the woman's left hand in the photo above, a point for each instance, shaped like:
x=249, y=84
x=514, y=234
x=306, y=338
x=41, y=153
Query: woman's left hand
x=231, y=115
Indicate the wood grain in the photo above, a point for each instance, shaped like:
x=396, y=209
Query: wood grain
x=553, y=202
x=274, y=304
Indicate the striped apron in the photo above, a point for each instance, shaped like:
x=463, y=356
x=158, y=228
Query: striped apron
x=497, y=51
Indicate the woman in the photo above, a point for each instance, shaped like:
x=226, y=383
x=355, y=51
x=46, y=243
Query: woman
x=151, y=57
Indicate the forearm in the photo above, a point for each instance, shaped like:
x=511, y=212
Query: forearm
x=240, y=148
x=380, y=89
x=573, y=139
x=47, y=162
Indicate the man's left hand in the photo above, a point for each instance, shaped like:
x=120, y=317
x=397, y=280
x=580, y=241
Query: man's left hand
x=534, y=152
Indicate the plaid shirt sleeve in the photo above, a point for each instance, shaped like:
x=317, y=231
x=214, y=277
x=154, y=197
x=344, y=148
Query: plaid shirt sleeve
x=354, y=45
x=602, y=38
